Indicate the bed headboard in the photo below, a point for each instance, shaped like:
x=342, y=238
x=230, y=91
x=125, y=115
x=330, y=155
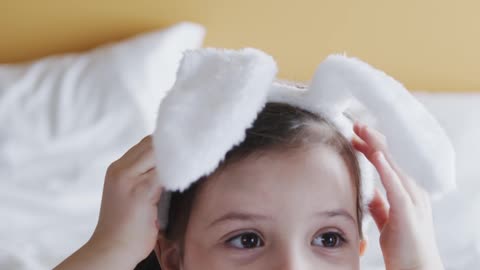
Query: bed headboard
x=428, y=45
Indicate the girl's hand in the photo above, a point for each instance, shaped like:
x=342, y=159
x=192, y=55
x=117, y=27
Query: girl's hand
x=128, y=215
x=406, y=228
x=127, y=227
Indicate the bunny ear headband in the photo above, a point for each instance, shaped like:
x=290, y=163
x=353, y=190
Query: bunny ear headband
x=218, y=94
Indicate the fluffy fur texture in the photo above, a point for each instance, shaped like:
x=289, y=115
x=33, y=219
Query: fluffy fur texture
x=417, y=141
x=218, y=94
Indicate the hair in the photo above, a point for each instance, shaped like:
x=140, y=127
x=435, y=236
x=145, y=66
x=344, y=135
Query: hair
x=278, y=127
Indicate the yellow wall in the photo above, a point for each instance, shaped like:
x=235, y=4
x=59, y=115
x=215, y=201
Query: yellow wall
x=427, y=44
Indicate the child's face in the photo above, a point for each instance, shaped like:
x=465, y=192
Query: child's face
x=292, y=210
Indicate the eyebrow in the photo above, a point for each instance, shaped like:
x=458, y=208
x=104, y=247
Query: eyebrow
x=337, y=213
x=241, y=216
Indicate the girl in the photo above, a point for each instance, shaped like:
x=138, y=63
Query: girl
x=287, y=197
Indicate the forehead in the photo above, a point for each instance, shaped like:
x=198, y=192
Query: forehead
x=302, y=181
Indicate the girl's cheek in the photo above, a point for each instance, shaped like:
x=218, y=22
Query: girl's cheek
x=200, y=254
x=218, y=259
x=347, y=256
x=334, y=255
x=221, y=260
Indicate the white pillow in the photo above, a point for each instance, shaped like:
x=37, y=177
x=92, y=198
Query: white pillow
x=63, y=120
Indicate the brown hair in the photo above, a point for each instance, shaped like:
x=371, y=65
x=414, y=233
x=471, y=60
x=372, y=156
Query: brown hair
x=278, y=127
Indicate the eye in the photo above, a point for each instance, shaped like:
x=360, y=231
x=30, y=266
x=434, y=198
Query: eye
x=246, y=241
x=329, y=240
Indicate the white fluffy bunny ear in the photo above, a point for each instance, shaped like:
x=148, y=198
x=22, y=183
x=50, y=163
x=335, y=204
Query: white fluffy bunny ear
x=215, y=99
x=416, y=140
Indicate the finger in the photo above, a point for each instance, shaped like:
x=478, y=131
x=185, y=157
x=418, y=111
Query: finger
x=360, y=145
x=377, y=142
x=138, y=160
x=416, y=192
x=379, y=210
x=149, y=187
x=144, y=163
x=133, y=154
x=371, y=136
x=396, y=192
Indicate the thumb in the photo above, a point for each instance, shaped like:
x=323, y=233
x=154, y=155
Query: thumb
x=378, y=209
